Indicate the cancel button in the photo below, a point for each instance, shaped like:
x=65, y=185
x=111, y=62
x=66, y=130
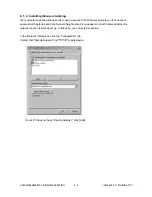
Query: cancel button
x=74, y=111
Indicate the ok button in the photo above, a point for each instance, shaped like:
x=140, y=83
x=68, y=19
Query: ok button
x=63, y=111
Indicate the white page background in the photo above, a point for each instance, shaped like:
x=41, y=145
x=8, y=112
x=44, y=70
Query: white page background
x=113, y=145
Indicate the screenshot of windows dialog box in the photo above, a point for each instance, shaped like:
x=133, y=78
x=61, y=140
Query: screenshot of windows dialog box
x=53, y=80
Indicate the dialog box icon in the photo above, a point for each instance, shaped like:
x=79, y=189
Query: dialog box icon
x=54, y=80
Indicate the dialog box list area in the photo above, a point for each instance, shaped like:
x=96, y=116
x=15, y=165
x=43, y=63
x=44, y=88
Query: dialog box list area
x=54, y=80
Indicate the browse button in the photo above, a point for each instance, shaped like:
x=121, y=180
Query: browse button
x=74, y=111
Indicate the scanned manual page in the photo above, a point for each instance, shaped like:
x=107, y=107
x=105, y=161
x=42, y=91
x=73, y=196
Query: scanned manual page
x=76, y=99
